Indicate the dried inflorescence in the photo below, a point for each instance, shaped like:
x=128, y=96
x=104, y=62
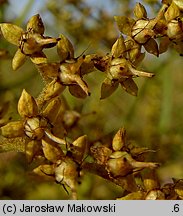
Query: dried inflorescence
x=42, y=131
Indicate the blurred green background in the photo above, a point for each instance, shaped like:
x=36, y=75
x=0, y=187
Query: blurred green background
x=154, y=119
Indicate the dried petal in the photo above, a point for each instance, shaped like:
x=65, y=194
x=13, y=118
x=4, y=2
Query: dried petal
x=52, y=109
x=119, y=139
x=152, y=47
x=45, y=170
x=18, y=60
x=39, y=58
x=13, y=129
x=124, y=24
x=140, y=11
x=11, y=33
x=65, y=48
x=130, y=86
x=79, y=148
x=77, y=91
x=32, y=149
x=118, y=48
x=172, y=12
x=51, y=151
x=164, y=44
x=27, y=106
x=108, y=87
x=35, y=23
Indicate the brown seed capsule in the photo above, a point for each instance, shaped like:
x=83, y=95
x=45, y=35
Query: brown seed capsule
x=66, y=173
x=34, y=127
x=118, y=165
x=142, y=31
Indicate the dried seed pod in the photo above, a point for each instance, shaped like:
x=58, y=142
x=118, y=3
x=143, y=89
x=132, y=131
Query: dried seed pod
x=70, y=74
x=31, y=43
x=34, y=127
x=119, y=69
x=66, y=173
x=142, y=31
x=119, y=167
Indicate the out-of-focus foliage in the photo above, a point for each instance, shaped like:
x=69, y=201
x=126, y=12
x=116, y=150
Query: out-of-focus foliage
x=91, y=55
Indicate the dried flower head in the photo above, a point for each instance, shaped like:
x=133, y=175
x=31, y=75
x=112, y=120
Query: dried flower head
x=30, y=42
